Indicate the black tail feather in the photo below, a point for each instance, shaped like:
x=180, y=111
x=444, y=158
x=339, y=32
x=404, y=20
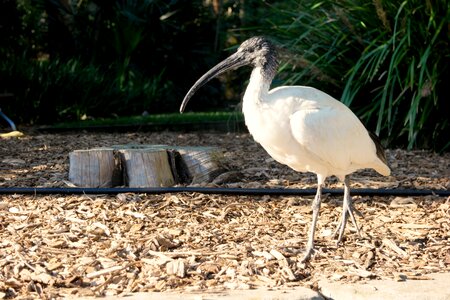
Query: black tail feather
x=380, y=150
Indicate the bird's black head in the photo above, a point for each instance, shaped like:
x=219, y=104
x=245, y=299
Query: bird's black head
x=258, y=52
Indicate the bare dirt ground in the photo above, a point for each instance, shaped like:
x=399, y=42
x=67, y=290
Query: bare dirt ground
x=81, y=245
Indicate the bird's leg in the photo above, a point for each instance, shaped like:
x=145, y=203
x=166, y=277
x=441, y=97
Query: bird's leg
x=350, y=208
x=315, y=209
x=347, y=209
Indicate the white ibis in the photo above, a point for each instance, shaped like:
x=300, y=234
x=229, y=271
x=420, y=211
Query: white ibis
x=301, y=127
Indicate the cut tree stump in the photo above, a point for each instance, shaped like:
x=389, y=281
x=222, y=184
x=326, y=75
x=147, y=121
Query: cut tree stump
x=201, y=163
x=94, y=168
x=144, y=166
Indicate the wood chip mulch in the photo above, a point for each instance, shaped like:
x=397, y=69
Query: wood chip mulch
x=96, y=245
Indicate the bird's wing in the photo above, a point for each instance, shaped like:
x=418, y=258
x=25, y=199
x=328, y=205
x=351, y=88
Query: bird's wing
x=334, y=135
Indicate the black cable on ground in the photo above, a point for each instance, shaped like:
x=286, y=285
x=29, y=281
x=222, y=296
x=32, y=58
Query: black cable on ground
x=223, y=191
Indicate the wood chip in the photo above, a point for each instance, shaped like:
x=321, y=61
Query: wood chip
x=176, y=267
x=105, y=271
x=264, y=254
x=391, y=245
x=360, y=272
x=403, y=202
x=277, y=254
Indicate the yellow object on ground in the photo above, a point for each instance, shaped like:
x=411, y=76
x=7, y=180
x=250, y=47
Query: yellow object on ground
x=11, y=134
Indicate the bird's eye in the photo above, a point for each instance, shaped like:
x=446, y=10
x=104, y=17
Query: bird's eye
x=251, y=49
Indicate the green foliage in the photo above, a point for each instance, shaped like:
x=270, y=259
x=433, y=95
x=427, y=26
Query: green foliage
x=102, y=57
x=389, y=59
x=158, y=119
x=64, y=90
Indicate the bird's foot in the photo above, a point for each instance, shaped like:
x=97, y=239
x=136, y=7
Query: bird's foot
x=348, y=211
x=308, y=253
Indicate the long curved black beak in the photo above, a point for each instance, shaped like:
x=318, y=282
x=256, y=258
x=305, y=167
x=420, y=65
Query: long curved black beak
x=232, y=62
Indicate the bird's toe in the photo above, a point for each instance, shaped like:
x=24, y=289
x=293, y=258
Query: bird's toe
x=307, y=255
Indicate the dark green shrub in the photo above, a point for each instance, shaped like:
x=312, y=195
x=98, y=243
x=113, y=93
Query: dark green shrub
x=105, y=57
x=56, y=90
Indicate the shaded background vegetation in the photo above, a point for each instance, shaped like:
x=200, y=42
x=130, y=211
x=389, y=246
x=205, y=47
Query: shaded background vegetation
x=68, y=60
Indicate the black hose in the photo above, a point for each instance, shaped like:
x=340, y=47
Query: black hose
x=223, y=191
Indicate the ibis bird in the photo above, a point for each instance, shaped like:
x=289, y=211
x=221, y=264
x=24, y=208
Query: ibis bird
x=301, y=127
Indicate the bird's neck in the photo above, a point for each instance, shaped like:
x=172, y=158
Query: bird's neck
x=253, y=105
x=258, y=86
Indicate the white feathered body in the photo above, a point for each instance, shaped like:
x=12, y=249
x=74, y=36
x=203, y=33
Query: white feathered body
x=308, y=130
